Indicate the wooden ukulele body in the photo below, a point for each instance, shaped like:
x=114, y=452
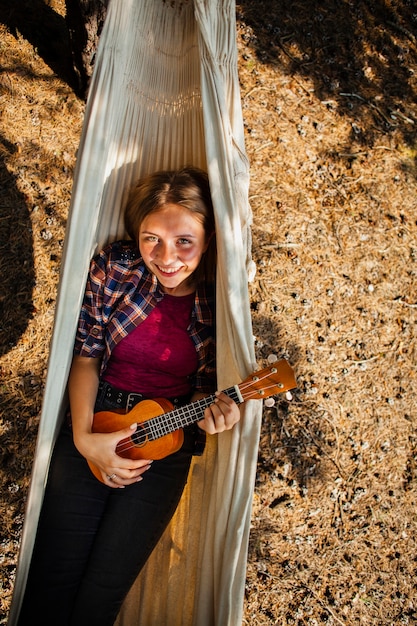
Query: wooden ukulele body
x=138, y=445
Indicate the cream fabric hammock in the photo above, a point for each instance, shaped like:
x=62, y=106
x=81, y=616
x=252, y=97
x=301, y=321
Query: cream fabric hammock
x=165, y=93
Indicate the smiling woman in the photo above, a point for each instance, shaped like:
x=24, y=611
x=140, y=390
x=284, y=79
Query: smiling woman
x=146, y=330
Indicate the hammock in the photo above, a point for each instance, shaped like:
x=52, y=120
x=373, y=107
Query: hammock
x=165, y=93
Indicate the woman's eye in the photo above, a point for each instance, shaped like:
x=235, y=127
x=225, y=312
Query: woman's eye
x=183, y=241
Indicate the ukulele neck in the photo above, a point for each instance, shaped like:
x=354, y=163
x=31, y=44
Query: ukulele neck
x=185, y=415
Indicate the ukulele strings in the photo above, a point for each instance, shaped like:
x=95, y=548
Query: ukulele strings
x=257, y=393
x=128, y=443
x=157, y=424
x=143, y=433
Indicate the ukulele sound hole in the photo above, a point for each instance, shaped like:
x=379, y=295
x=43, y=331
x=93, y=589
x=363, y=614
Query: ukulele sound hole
x=139, y=437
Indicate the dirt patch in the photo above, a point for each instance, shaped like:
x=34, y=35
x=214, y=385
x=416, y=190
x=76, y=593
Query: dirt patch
x=329, y=104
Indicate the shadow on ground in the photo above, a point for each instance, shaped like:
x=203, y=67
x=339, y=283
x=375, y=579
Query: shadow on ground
x=46, y=30
x=16, y=259
x=358, y=56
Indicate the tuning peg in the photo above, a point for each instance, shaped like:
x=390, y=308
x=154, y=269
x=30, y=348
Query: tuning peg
x=289, y=396
x=272, y=358
x=270, y=402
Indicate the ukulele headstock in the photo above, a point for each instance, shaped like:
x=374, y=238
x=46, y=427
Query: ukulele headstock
x=276, y=378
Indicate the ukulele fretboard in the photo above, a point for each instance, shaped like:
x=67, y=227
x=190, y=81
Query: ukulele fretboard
x=178, y=418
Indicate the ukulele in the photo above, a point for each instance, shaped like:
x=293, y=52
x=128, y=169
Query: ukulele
x=159, y=425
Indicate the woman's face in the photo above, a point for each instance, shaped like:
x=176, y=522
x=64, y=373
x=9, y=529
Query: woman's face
x=172, y=242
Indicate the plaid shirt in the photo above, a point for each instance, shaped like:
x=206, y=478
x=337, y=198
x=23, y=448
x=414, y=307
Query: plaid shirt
x=120, y=293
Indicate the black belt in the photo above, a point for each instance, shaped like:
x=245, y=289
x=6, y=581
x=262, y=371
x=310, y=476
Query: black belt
x=126, y=400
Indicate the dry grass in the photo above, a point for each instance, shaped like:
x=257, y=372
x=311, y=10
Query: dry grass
x=329, y=101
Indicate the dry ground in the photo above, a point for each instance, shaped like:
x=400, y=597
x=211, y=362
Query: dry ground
x=329, y=100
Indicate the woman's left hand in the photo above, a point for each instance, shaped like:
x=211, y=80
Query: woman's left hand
x=222, y=415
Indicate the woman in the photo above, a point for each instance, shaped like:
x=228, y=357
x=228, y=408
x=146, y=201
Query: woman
x=146, y=330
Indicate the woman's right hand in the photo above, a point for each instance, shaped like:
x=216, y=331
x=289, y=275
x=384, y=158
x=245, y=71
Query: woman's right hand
x=100, y=450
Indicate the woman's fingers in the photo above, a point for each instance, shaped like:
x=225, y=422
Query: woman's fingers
x=122, y=478
x=220, y=416
x=118, y=471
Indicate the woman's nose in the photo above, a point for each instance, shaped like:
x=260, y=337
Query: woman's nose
x=167, y=253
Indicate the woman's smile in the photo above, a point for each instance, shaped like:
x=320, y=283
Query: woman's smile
x=168, y=270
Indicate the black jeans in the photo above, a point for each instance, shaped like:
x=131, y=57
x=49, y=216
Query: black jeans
x=93, y=540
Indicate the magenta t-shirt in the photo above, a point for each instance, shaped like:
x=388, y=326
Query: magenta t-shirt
x=158, y=357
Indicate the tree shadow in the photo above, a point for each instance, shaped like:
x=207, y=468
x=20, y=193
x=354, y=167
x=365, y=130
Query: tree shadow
x=45, y=30
x=17, y=275
x=359, y=56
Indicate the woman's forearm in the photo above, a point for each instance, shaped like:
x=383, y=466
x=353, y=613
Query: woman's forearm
x=82, y=386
